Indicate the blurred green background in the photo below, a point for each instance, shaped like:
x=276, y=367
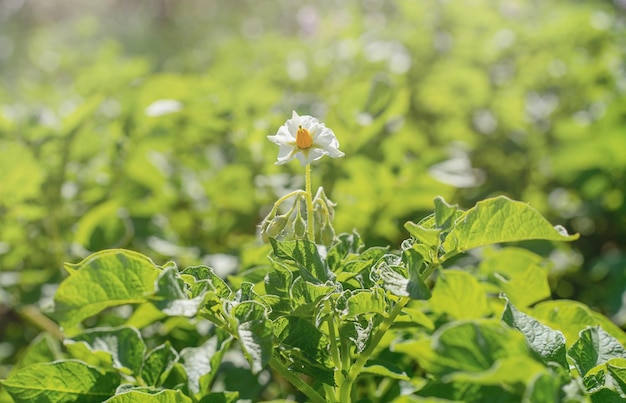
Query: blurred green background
x=143, y=124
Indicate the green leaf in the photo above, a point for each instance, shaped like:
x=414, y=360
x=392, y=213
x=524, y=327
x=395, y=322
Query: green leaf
x=617, y=369
x=605, y=395
x=466, y=392
x=543, y=388
x=306, y=256
x=201, y=363
x=104, y=279
x=344, y=246
x=278, y=282
x=144, y=315
x=358, y=332
x=247, y=293
x=571, y=317
x=594, y=347
x=595, y=379
x=44, y=348
x=428, y=236
x=512, y=371
x=395, y=279
x=220, y=397
x=158, y=364
x=124, y=344
x=459, y=295
x=366, y=302
x=444, y=213
x=469, y=346
x=201, y=273
x=256, y=338
x=254, y=331
x=415, y=317
x=61, y=381
x=498, y=220
x=548, y=343
x=163, y=396
x=171, y=297
x=302, y=337
x=306, y=295
x=384, y=369
x=278, y=279
x=518, y=273
x=476, y=345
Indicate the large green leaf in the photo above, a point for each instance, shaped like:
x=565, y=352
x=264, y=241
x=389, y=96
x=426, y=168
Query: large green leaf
x=512, y=371
x=306, y=256
x=390, y=271
x=136, y=396
x=171, y=298
x=104, y=279
x=201, y=363
x=365, y=302
x=278, y=279
x=594, y=347
x=124, y=344
x=428, y=236
x=518, y=273
x=548, y=343
x=498, y=220
x=61, y=381
x=158, y=363
x=617, y=368
x=474, y=346
x=571, y=317
x=254, y=331
x=543, y=388
x=444, y=213
x=204, y=273
x=459, y=295
x=221, y=397
x=304, y=340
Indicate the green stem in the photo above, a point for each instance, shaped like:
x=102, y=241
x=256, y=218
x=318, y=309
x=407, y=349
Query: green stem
x=282, y=199
x=296, y=381
x=355, y=370
x=334, y=349
x=35, y=317
x=309, y=204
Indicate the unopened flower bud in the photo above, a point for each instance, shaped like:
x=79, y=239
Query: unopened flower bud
x=327, y=234
x=276, y=226
x=264, y=237
x=299, y=227
x=321, y=197
x=319, y=214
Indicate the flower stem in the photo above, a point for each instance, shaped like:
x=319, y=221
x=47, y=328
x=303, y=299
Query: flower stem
x=282, y=199
x=309, y=204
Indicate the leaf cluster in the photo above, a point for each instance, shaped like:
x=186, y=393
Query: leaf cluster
x=337, y=324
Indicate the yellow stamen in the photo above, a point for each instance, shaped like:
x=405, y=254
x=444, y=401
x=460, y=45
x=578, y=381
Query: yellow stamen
x=303, y=138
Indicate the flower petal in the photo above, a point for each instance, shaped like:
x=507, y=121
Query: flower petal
x=286, y=154
x=324, y=140
x=311, y=155
x=291, y=125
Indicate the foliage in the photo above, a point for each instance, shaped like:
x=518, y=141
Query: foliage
x=142, y=125
x=360, y=322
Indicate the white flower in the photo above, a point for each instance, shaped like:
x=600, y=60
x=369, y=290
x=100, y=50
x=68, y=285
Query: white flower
x=306, y=139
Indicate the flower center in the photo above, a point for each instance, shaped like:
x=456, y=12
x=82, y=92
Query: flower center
x=303, y=138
